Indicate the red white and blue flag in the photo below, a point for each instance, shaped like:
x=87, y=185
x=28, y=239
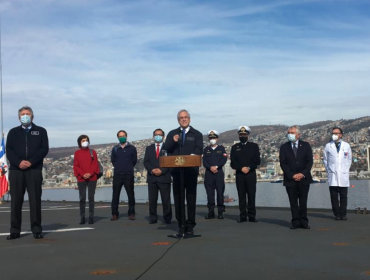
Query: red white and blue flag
x=4, y=186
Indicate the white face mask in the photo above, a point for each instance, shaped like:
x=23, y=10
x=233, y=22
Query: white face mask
x=335, y=137
x=291, y=137
x=84, y=144
x=213, y=141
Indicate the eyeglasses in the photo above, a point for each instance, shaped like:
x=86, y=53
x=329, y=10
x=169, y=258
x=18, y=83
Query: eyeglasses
x=336, y=133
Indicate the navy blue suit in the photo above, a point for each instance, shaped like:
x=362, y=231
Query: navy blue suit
x=297, y=191
x=160, y=183
x=193, y=145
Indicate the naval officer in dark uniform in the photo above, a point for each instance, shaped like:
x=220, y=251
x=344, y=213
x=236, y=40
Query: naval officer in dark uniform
x=245, y=157
x=214, y=158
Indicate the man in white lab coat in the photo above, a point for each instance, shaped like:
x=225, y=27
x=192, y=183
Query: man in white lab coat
x=337, y=160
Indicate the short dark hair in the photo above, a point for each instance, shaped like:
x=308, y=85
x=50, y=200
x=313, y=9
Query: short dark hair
x=121, y=131
x=160, y=130
x=335, y=127
x=83, y=136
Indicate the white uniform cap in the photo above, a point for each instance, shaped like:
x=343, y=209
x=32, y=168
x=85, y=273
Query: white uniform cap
x=214, y=133
x=244, y=129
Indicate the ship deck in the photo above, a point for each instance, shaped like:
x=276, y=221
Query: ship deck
x=226, y=250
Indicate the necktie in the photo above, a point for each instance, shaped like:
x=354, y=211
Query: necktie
x=338, y=146
x=183, y=137
x=157, y=151
x=26, y=129
x=295, y=149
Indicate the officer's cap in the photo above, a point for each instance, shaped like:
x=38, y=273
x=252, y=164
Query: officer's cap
x=244, y=129
x=212, y=133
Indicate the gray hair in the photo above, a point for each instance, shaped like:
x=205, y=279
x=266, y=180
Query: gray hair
x=25, y=108
x=182, y=110
x=297, y=128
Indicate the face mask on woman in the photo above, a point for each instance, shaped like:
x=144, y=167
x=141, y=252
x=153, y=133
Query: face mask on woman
x=85, y=144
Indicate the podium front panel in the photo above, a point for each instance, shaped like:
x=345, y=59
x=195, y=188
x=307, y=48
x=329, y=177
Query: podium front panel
x=180, y=161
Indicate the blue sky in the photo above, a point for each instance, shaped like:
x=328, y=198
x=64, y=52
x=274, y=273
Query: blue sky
x=97, y=66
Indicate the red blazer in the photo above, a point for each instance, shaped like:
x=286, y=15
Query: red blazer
x=83, y=164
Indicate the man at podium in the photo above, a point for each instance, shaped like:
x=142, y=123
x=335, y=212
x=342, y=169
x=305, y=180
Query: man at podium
x=185, y=140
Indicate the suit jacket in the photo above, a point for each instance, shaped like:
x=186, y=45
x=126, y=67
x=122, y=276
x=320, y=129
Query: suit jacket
x=245, y=155
x=292, y=165
x=193, y=145
x=151, y=162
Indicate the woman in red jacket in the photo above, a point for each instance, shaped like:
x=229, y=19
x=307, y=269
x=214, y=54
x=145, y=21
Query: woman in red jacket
x=86, y=169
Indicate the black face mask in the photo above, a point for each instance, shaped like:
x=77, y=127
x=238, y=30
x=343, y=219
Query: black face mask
x=243, y=139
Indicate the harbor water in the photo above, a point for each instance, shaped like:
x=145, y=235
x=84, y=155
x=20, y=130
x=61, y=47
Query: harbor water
x=268, y=195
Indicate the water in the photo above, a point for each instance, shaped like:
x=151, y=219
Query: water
x=268, y=194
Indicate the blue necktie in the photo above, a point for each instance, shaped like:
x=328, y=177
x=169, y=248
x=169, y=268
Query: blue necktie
x=183, y=137
x=338, y=146
x=27, y=129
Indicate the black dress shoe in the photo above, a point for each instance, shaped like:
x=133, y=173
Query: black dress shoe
x=344, y=218
x=114, y=218
x=153, y=222
x=294, y=227
x=210, y=215
x=83, y=221
x=337, y=218
x=253, y=220
x=305, y=227
x=168, y=222
x=13, y=236
x=241, y=220
x=91, y=220
x=220, y=215
x=189, y=233
x=38, y=235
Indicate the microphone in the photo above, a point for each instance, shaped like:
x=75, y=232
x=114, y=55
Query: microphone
x=180, y=138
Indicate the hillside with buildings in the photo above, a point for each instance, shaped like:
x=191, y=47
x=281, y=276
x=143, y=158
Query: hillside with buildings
x=58, y=169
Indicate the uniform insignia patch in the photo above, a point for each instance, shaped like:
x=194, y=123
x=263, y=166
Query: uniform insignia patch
x=35, y=133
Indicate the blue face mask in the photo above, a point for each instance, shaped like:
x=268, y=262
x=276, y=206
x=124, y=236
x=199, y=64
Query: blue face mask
x=25, y=119
x=291, y=137
x=158, y=139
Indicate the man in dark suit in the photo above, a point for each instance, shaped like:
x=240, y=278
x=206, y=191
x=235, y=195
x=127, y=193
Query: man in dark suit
x=190, y=143
x=158, y=179
x=296, y=161
x=245, y=157
x=26, y=147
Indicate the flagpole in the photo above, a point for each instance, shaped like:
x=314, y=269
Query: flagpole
x=1, y=83
x=1, y=94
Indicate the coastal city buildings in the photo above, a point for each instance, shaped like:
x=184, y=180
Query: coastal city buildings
x=58, y=171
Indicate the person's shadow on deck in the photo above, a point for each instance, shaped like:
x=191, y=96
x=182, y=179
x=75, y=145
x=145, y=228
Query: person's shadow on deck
x=283, y=223
x=319, y=215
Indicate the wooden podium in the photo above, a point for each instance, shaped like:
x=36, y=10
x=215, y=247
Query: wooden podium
x=180, y=161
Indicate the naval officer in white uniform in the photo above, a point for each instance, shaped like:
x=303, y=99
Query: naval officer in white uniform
x=337, y=160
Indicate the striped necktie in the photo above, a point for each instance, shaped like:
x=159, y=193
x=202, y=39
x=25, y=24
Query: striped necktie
x=295, y=149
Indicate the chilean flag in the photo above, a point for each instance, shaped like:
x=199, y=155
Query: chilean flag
x=4, y=186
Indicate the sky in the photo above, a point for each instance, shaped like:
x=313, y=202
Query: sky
x=97, y=66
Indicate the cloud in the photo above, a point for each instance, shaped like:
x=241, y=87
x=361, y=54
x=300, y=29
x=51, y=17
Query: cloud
x=99, y=66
